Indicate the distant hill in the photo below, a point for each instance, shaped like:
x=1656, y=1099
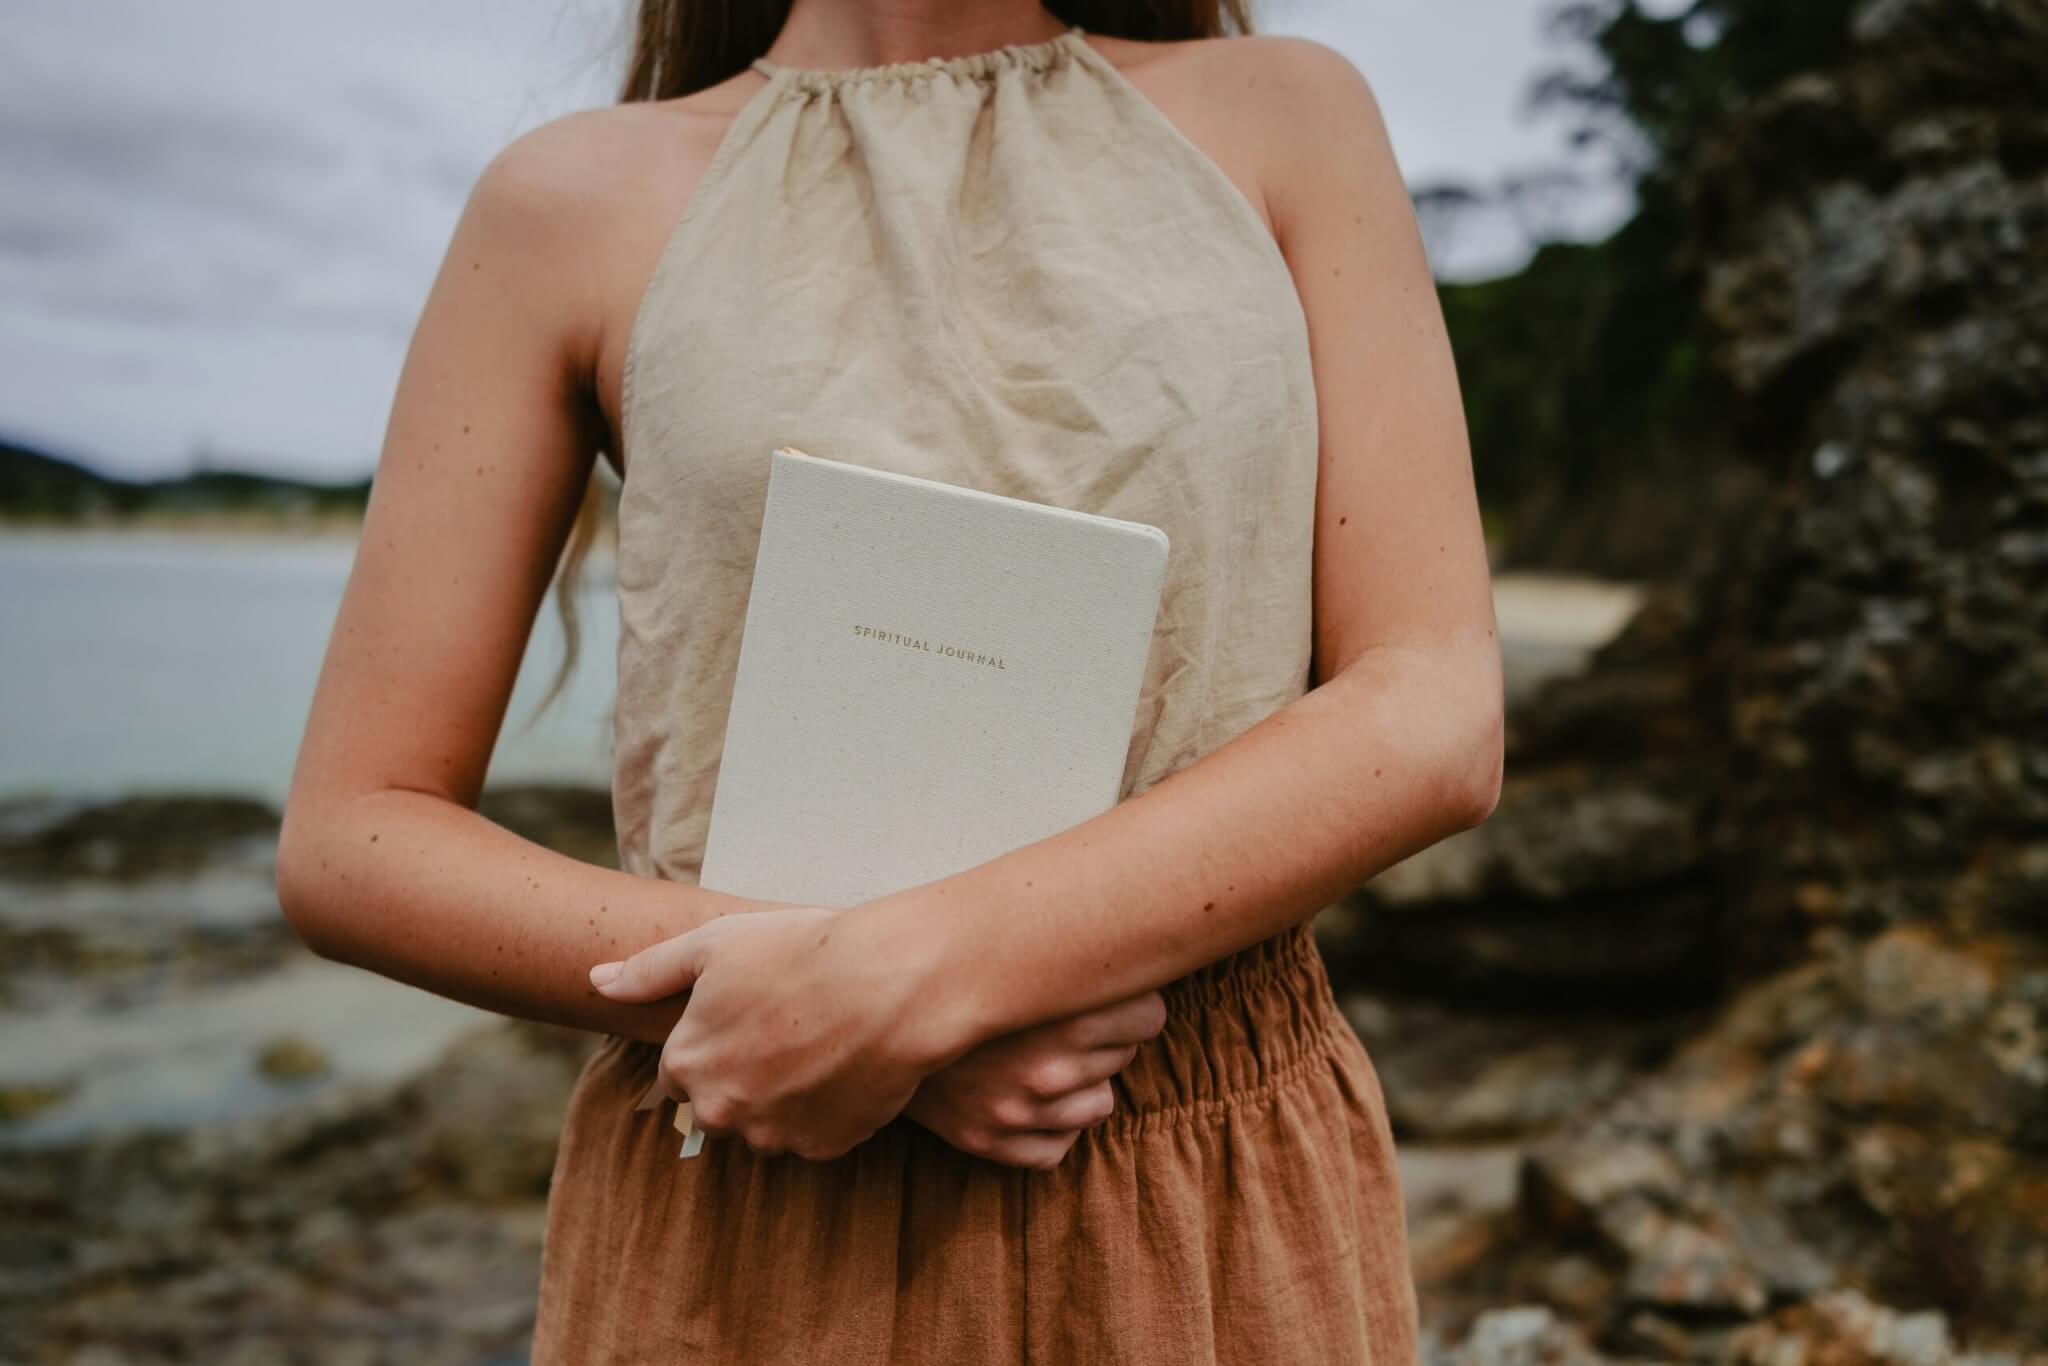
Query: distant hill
x=36, y=486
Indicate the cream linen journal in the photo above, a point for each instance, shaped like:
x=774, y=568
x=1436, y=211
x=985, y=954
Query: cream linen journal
x=930, y=676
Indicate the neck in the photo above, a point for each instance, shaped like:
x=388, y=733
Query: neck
x=842, y=33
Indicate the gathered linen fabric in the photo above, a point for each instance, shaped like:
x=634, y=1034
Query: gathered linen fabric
x=1007, y=270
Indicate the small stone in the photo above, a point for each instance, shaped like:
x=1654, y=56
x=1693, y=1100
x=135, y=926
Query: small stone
x=292, y=1059
x=24, y=1100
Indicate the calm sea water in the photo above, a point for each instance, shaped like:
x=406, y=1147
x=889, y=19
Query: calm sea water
x=137, y=662
x=179, y=663
x=174, y=662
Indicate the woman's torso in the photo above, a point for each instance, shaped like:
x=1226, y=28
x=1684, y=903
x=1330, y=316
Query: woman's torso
x=1033, y=275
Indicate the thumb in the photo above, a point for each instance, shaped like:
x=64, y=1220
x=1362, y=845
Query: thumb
x=659, y=970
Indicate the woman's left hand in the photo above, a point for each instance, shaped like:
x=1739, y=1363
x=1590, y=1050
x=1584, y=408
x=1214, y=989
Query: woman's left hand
x=797, y=1035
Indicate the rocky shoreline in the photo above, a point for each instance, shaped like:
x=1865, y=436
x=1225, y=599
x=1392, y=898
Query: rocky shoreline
x=318, y=1211
x=398, y=1218
x=1550, y=1150
x=1802, y=798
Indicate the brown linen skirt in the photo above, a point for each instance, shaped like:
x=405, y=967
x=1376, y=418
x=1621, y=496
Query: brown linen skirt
x=1242, y=1205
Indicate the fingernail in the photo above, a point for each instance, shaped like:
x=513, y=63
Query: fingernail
x=602, y=974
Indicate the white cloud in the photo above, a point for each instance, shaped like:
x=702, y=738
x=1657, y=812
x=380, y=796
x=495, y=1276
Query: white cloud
x=219, y=219
x=1453, y=79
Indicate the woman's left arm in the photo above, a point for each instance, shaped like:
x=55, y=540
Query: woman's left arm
x=1397, y=746
x=806, y=1030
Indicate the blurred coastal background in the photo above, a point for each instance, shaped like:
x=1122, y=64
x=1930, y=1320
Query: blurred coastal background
x=1725, y=1040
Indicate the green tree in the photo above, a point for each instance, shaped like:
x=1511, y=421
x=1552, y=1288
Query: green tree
x=1587, y=375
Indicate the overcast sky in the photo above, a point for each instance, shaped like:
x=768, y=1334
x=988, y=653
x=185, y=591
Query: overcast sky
x=219, y=218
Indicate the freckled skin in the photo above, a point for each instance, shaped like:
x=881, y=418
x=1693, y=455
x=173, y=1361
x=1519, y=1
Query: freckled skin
x=570, y=219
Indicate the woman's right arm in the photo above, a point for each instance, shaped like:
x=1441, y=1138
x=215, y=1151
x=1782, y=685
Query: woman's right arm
x=383, y=859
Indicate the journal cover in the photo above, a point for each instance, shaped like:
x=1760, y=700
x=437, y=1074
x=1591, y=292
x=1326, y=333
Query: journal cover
x=930, y=675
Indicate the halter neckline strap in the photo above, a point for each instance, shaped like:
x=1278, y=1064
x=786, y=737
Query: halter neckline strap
x=967, y=66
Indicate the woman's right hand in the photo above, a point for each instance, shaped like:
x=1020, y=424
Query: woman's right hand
x=1023, y=1099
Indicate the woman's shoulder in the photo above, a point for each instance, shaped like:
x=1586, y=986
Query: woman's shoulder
x=590, y=196
x=1280, y=112
x=596, y=155
x=612, y=177
x=1311, y=103
x=1246, y=71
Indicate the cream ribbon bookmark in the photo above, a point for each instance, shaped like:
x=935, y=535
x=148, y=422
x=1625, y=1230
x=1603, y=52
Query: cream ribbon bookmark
x=685, y=1120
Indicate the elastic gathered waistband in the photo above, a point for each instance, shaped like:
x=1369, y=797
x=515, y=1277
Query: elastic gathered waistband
x=1234, y=1030
x=1288, y=956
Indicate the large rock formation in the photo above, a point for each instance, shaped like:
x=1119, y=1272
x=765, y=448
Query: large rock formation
x=1809, y=786
x=1876, y=648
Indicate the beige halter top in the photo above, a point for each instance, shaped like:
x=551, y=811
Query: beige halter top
x=1007, y=270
